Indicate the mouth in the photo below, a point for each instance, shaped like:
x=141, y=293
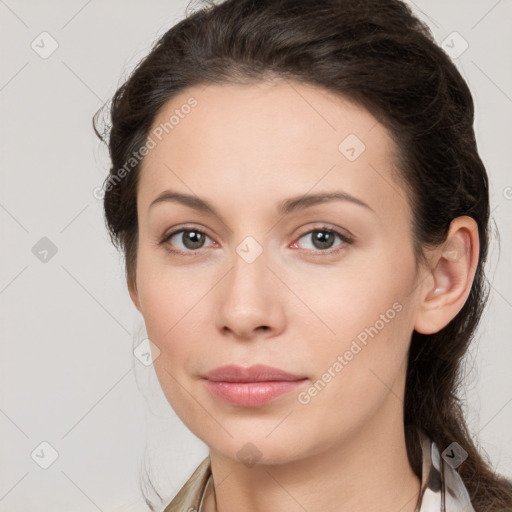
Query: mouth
x=255, y=386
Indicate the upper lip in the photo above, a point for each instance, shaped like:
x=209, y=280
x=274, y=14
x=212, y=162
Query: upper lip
x=256, y=373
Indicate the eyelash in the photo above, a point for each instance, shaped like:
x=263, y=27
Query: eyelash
x=344, y=238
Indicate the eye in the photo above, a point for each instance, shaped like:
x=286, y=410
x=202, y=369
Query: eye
x=323, y=238
x=191, y=240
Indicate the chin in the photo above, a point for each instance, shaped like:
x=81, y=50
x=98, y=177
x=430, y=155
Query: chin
x=250, y=449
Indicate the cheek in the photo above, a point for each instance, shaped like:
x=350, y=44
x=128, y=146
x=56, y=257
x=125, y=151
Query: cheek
x=165, y=294
x=170, y=324
x=174, y=302
x=371, y=319
x=167, y=313
x=360, y=371
x=349, y=302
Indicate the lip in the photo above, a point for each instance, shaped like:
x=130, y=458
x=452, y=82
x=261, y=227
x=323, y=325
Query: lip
x=250, y=387
x=255, y=373
x=251, y=394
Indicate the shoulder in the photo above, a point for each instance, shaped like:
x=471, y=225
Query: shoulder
x=189, y=496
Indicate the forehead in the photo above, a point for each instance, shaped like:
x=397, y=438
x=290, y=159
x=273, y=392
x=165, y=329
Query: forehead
x=268, y=138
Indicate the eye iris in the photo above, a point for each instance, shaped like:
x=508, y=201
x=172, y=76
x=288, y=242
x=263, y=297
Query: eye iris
x=190, y=239
x=324, y=238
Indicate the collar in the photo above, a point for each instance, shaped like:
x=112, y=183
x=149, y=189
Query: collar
x=442, y=488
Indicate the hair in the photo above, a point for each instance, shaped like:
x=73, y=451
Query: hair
x=377, y=54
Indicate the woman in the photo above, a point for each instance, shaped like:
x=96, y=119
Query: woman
x=304, y=215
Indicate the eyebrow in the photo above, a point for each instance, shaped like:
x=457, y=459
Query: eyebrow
x=286, y=207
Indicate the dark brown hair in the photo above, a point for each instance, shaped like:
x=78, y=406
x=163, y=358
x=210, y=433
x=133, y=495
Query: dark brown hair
x=379, y=55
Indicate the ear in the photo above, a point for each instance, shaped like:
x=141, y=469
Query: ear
x=134, y=294
x=448, y=284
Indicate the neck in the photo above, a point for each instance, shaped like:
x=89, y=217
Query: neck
x=366, y=470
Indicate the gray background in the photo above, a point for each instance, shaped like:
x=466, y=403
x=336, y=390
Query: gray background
x=68, y=374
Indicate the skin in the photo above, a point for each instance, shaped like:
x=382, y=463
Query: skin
x=245, y=149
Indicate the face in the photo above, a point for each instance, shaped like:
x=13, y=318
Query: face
x=321, y=289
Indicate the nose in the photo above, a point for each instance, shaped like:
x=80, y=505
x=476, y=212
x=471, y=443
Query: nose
x=251, y=299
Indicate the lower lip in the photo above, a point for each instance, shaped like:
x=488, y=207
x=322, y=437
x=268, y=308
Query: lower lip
x=251, y=394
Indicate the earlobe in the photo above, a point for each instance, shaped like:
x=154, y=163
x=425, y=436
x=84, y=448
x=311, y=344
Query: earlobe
x=451, y=277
